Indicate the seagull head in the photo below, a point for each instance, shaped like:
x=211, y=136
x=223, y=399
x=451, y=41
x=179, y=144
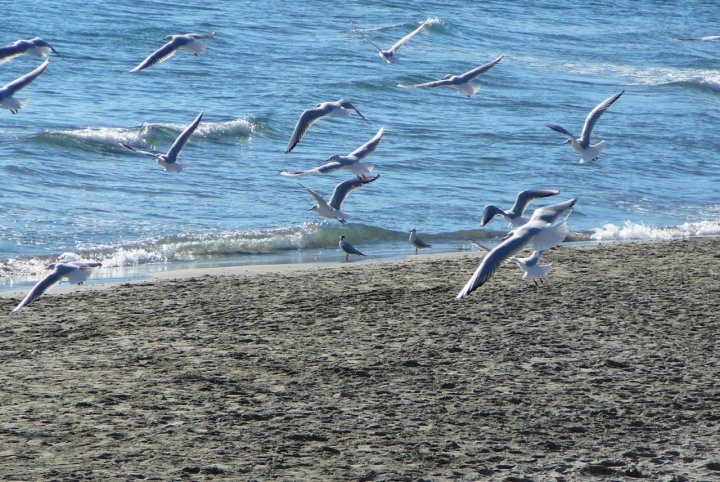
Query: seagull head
x=342, y=237
x=314, y=208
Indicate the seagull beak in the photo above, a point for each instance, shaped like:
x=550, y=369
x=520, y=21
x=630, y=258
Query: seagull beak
x=567, y=141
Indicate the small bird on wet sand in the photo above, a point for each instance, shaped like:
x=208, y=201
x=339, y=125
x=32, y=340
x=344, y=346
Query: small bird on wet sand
x=416, y=242
x=348, y=248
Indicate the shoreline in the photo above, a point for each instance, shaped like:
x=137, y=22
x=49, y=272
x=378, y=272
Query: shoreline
x=372, y=371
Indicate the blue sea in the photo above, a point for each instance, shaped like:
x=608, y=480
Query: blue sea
x=71, y=192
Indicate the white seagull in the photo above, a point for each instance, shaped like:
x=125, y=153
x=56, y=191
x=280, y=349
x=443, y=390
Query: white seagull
x=538, y=231
x=706, y=38
x=416, y=242
x=76, y=272
x=338, y=108
x=390, y=55
x=582, y=144
x=531, y=267
x=348, y=248
x=169, y=160
x=195, y=43
x=515, y=215
x=463, y=82
x=35, y=47
x=7, y=101
x=332, y=210
x=350, y=161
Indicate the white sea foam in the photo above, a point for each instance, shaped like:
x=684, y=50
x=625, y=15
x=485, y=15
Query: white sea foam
x=630, y=231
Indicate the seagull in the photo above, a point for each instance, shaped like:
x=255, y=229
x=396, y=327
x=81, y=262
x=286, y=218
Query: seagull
x=582, y=144
x=169, y=160
x=463, y=83
x=515, y=215
x=700, y=39
x=531, y=267
x=390, y=55
x=35, y=47
x=7, y=100
x=350, y=161
x=311, y=116
x=348, y=248
x=417, y=242
x=76, y=272
x=332, y=210
x=538, y=231
x=195, y=43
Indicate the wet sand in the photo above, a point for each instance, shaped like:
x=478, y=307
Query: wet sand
x=371, y=371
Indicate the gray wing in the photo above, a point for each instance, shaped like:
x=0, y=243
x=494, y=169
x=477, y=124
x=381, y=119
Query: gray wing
x=147, y=153
x=200, y=36
x=494, y=259
x=41, y=287
x=407, y=37
x=434, y=83
x=561, y=130
x=39, y=42
x=13, y=50
x=490, y=212
x=161, y=54
x=550, y=213
x=420, y=243
x=317, y=197
x=342, y=190
x=349, y=248
x=307, y=119
x=369, y=147
x=366, y=38
x=325, y=168
x=26, y=79
x=700, y=39
x=524, y=197
x=182, y=139
x=593, y=117
x=471, y=74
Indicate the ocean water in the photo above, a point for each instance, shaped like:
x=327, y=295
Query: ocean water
x=69, y=191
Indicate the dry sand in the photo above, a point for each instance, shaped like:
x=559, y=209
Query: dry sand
x=610, y=371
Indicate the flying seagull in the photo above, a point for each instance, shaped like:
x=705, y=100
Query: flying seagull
x=348, y=248
x=7, y=100
x=515, y=215
x=169, y=160
x=195, y=43
x=416, y=242
x=700, y=39
x=35, y=47
x=350, y=161
x=332, y=210
x=582, y=144
x=463, y=83
x=310, y=116
x=532, y=268
x=76, y=272
x=390, y=55
x=538, y=231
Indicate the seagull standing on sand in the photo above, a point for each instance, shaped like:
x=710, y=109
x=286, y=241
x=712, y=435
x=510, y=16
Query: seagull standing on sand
x=582, y=144
x=531, y=267
x=463, y=82
x=390, y=55
x=35, y=47
x=195, y=43
x=515, y=215
x=7, y=101
x=348, y=248
x=332, y=210
x=338, y=108
x=350, y=161
x=76, y=273
x=538, y=231
x=169, y=160
x=416, y=242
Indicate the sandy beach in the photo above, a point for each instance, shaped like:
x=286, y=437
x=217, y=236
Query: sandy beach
x=372, y=371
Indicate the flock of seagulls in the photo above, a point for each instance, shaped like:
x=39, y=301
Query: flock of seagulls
x=538, y=230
